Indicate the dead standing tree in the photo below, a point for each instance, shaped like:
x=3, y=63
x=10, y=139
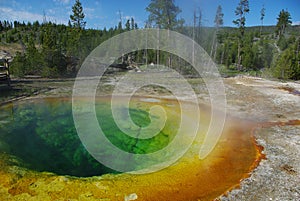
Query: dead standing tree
x=218, y=23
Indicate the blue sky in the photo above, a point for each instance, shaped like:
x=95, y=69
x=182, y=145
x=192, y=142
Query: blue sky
x=105, y=13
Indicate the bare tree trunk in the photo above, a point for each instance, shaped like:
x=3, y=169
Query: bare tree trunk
x=146, y=50
x=215, y=52
x=213, y=45
x=261, y=27
x=216, y=44
x=297, y=54
x=157, y=52
x=194, y=37
x=222, y=57
x=169, y=54
x=239, y=57
x=199, y=26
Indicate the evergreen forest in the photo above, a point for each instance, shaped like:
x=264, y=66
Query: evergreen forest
x=48, y=49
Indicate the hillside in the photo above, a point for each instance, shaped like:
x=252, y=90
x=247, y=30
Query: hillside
x=54, y=50
x=263, y=51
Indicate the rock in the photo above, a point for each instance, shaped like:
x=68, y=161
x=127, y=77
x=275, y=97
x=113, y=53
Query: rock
x=130, y=197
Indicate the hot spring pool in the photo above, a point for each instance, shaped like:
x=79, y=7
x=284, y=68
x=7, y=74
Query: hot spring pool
x=39, y=148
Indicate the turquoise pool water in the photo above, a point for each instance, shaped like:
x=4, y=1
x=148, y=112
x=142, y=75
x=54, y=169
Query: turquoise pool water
x=42, y=135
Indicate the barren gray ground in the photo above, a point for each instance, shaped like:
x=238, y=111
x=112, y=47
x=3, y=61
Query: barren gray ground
x=277, y=177
x=259, y=100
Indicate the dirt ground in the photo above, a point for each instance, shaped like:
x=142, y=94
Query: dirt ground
x=273, y=104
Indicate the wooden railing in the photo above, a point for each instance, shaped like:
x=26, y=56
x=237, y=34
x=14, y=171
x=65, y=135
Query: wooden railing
x=4, y=71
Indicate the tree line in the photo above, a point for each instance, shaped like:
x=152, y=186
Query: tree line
x=55, y=50
x=274, y=51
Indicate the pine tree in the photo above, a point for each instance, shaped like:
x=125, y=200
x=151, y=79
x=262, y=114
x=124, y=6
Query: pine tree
x=127, y=25
x=241, y=10
x=267, y=55
x=287, y=65
x=18, y=65
x=262, y=16
x=1, y=26
x=78, y=16
x=49, y=38
x=31, y=55
x=132, y=24
x=284, y=19
x=219, y=17
x=163, y=14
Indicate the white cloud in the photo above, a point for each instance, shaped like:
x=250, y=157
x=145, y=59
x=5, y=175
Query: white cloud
x=89, y=12
x=20, y=15
x=51, y=11
x=128, y=17
x=62, y=1
x=11, y=15
x=296, y=23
